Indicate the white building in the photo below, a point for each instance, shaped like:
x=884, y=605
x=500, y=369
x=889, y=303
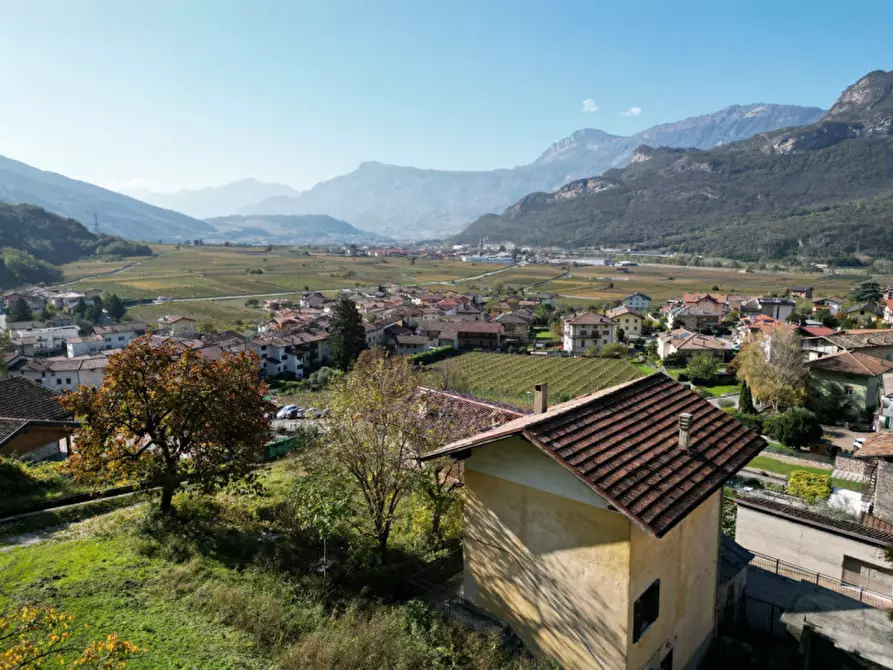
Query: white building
x=119, y=335
x=178, y=325
x=45, y=340
x=65, y=374
x=638, y=302
x=585, y=330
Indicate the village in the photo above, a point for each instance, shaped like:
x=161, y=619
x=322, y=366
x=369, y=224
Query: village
x=805, y=379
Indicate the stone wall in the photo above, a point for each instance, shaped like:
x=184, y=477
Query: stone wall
x=883, y=491
x=848, y=464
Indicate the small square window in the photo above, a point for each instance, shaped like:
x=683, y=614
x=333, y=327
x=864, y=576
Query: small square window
x=646, y=609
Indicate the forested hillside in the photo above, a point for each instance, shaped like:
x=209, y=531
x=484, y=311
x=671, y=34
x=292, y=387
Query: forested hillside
x=33, y=241
x=821, y=191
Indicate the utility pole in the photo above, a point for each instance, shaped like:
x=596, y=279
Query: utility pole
x=95, y=223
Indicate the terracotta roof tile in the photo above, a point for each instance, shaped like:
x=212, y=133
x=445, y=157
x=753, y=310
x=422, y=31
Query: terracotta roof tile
x=623, y=443
x=876, y=445
x=588, y=319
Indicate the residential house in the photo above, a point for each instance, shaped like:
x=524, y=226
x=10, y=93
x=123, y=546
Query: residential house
x=407, y=345
x=592, y=528
x=516, y=325
x=628, y=320
x=865, y=314
x=448, y=306
x=756, y=325
x=177, y=325
x=67, y=300
x=859, y=373
x=695, y=317
x=39, y=341
x=801, y=292
x=875, y=342
x=487, y=335
x=637, y=302
x=84, y=346
x=63, y=374
x=586, y=329
x=31, y=420
x=831, y=304
x=716, y=303
x=815, y=343
x=777, y=308
x=470, y=312
x=119, y=335
x=313, y=300
x=376, y=332
x=278, y=356
x=688, y=344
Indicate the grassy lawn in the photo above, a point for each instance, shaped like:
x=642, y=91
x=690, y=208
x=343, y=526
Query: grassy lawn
x=230, y=582
x=721, y=390
x=507, y=378
x=784, y=468
x=28, y=484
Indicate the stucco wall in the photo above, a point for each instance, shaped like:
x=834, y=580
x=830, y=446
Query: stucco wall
x=554, y=568
x=685, y=560
x=807, y=547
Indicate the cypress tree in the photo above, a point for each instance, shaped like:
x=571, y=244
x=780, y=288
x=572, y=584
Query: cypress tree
x=347, y=336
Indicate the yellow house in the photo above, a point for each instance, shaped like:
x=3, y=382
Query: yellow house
x=627, y=320
x=592, y=528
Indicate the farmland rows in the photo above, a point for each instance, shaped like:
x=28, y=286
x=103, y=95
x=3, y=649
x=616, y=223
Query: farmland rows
x=511, y=378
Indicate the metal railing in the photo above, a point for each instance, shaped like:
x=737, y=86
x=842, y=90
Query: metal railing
x=796, y=573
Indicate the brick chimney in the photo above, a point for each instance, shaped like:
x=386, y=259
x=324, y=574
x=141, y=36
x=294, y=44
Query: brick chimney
x=684, y=429
x=540, y=398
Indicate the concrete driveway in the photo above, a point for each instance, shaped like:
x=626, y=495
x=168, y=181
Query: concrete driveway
x=843, y=437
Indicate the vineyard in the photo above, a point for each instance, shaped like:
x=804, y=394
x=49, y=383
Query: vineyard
x=510, y=378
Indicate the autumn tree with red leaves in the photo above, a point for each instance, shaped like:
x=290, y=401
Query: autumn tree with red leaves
x=165, y=413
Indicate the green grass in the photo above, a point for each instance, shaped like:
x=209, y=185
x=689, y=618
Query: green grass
x=784, y=468
x=229, y=583
x=508, y=378
x=25, y=484
x=721, y=390
x=223, y=314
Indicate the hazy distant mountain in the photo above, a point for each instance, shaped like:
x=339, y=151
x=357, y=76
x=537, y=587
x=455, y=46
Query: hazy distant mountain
x=211, y=201
x=823, y=190
x=407, y=202
x=118, y=214
x=287, y=229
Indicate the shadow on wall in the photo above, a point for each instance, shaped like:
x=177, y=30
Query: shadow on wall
x=539, y=585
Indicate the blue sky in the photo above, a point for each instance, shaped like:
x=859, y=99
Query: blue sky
x=185, y=93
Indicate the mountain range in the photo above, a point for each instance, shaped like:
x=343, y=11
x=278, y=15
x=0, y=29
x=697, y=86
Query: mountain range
x=117, y=214
x=412, y=202
x=822, y=190
x=288, y=229
x=213, y=201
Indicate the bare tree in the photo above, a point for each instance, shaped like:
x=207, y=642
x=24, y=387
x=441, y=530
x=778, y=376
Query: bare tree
x=773, y=368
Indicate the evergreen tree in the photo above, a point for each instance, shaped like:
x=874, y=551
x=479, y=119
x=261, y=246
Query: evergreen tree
x=81, y=308
x=347, y=337
x=867, y=291
x=20, y=311
x=115, y=307
x=745, y=400
x=94, y=311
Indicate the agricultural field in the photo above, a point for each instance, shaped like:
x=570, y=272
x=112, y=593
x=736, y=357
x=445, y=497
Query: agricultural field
x=510, y=379
x=592, y=283
x=222, y=314
x=199, y=272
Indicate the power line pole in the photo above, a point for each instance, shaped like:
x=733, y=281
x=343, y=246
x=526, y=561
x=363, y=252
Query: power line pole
x=95, y=223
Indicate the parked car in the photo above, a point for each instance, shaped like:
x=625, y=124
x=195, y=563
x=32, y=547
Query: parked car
x=857, y=443
x=283, y=412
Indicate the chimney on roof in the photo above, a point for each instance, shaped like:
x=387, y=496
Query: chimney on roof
x=540, y=398
x=684, y=429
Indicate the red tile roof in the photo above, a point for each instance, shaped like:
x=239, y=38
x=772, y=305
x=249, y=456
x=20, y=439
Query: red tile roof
x=876, y=445
x=817, y=331
x=623, y=443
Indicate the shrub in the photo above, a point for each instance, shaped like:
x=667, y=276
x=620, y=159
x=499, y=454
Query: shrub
x=795, y=427
x=433, y=355
x=614, y=350
x=752, y=421
x=810, y=486
x=674, y=360
x=703, y=367
x=725, y=402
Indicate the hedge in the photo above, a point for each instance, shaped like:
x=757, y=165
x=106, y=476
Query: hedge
x=433, y=355
x=810, y=486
